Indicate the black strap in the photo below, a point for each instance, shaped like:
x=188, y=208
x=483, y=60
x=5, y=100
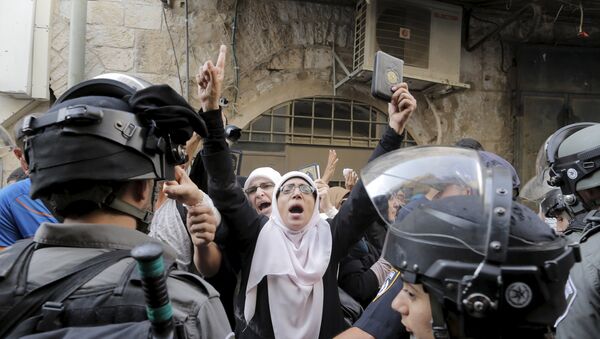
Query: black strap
x=59, y=289
x=13, y=267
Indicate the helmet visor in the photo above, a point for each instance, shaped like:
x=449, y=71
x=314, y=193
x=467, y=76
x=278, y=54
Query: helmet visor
x=537, y=187
x=401, y=181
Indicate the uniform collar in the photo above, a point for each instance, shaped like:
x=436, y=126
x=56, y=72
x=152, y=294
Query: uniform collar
x=95, y=236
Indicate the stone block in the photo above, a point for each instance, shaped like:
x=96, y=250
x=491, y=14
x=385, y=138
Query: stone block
x=154, y=53
x=110, y=36
x=58, y=64
x=116, y=59
x=59, y=33
x=147, y=2
x=93, y=64
x=58, y=83
x=143, y=16
x=317, y=58
x=105, y=13
x=291, y=59
x=264, y=86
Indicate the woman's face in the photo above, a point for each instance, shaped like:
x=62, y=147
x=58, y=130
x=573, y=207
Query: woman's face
x=259, y=194
x=394, y=203
x=295, y=207
x=413, y=304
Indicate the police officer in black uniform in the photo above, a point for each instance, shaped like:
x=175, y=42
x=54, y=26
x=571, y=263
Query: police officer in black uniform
x=474, y=263
x=96, y=156
x=575, y=168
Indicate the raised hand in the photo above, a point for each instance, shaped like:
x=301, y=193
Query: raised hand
x=403, y=104
x=350, y=180
x=324, y=204
x=332, y=161
x=210, y=81
x=202, y=224
x=183, y=189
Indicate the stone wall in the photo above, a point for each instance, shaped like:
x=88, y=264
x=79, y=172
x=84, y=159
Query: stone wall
x=283, y=51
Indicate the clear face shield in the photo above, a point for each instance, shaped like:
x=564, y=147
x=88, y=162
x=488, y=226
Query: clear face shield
x=452, y=235
x=536, y=188
x=400, y=181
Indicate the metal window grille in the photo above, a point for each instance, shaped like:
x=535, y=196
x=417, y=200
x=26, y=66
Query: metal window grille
x=320, y=121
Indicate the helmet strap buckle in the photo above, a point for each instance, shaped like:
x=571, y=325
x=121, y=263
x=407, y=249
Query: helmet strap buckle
x=438, y=319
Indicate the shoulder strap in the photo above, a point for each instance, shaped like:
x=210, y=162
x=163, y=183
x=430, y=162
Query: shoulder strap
x=59, y=289
x=14, y=263
x=10, y=257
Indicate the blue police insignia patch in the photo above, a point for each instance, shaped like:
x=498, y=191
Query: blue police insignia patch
x=389, y=281
x=570, y=294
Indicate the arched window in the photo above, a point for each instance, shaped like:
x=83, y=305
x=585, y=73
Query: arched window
x=300, y=132
x=325, y=121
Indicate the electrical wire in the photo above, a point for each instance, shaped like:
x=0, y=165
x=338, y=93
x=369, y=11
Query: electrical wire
x=174, y=51
x=580, y=17
x=233, y=51
x=187, y=53
x=558, y=13
x=499, y=40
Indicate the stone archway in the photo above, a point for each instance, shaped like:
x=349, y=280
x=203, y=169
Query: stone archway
x=254, y=102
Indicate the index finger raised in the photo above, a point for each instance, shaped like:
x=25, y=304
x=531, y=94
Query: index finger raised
x=221, y=59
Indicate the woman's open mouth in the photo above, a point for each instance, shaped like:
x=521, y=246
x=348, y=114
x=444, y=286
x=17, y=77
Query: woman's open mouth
x=296, y=210
x=263, y=206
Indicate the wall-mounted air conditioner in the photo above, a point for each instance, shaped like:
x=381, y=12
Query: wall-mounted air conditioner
x=425, y=34
x=24, y=48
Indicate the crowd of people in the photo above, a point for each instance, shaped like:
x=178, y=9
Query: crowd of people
x=428, y=242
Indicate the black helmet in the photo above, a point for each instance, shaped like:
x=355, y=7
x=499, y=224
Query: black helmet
x=106, y=130
x=487, y=262
x=553, y=204
x=574, y=158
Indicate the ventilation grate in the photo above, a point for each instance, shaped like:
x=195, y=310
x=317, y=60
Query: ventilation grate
x=360, y=32
x=404, y=32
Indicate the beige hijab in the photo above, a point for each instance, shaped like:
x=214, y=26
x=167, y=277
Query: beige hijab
x=294, y=263
x=336, y=195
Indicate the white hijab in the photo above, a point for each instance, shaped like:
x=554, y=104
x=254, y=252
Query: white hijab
x=294, y=263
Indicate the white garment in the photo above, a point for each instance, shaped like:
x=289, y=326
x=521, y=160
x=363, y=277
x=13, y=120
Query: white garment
x=262, y=172
x=167, y=226
x=294, y=263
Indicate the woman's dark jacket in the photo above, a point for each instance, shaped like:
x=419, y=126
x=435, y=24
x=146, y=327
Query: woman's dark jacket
x=245, y=224
x=355, y=275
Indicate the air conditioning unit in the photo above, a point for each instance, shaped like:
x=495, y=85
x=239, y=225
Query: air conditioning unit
x=425, y=34
x=24, y=48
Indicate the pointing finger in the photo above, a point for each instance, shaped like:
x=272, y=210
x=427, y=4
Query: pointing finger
x=221, y=58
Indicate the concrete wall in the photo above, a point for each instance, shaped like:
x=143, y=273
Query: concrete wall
x=284, y=51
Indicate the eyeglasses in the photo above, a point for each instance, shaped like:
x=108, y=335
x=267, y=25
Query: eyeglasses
x=264, y=186
x=289, y=188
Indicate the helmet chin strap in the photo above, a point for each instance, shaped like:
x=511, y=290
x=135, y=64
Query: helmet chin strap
x=143, y=217
x=438, y=320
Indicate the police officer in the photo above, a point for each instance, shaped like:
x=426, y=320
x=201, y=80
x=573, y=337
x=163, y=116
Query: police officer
x=96, y=156
x=564, y=218
x=575, y=168
x=477, y=265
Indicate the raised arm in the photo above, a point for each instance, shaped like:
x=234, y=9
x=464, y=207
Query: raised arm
x=223, y=188
x=358, y=212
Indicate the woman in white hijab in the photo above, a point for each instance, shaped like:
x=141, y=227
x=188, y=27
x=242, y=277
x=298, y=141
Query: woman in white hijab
x=288, y=285
x=293, y=251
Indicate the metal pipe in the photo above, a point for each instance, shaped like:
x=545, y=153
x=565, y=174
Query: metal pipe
x=187, y=53
x=77, y=42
